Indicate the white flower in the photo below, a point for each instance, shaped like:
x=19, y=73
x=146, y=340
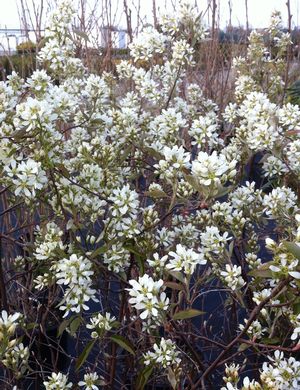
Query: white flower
x=182, y=52
x=158, y=262
x=75, y=272
x=176, y=159
x=281, y=373
x=27, y=177
x=34, y=114
x=213, y=170
x=57, y=382
x=146, y=296
x=289, y=116
x=273, y=166
x=90, y=381
x=204, y=131
x=48, y=241
x=125, y=201
x=280, y=202
x=39, y=81
x=250, y=385
x=165, y=354
x=296, y=323
x=148, y=43
x=185, y=260
x=232, y=277
x=285, y=264
x=117, y=258
x=8, y=323
x=293, y=156
x=212, y=240
x=101, y=324
x=255, y=331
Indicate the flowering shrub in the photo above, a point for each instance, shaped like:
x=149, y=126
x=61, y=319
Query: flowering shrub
x=125, y=213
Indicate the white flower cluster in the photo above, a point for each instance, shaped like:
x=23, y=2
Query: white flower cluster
x=16, y=358
x=213, y=171
x=142, y=177
x=255, y=331
x=284, y=263
x=213, y=241
x=14, y=355
x=117, y=258
x=281, y=373
x=57, y=382
x=175, y=160
x=125, y=207
x=75, y=273
x=27, y=177
x=258, y=113
x=280, y=203
x=147, y=297
x=48, y=241
x=99, y=324
x=185, y=260
x=204, y=131
x=59, y=50
x=184, y=21
x=232, y=276
x=90, y=381
x=165, y=354
x=148, y=43
x=293, y=156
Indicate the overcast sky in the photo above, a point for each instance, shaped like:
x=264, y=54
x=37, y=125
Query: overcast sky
x=259, y=10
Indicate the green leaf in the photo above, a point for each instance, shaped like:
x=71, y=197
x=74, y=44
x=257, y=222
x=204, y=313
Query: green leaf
x=85, y=353
x=62, y=327
x=154, y=153
x=143, y=377
x=99, y=251
x=243, y=347
x=293, y=248
x=271, y=341
x=139, y=257
x=156, y=193
x=172, y=378
x=74, y=325
x=124, y=343
x=177, y=275
x=81, y=34
x=263, y=271
x=193, y=182
x=131, y=248
x=185, y=314
x=31, y=325
x=223, y=191
x=296, y=308
x=141, y=263
x=174, y=285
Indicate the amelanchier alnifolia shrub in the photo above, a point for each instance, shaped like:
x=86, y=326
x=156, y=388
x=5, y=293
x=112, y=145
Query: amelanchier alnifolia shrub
x=129, y=201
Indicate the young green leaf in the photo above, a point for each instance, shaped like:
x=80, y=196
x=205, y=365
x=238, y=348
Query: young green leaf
x=186, y=314
x=85, y=353
x=123, y=342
